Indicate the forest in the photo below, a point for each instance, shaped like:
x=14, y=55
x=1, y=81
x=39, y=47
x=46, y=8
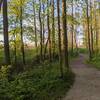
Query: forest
x=49, y=49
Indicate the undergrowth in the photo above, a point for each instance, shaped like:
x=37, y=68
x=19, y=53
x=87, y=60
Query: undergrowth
x=41, y=83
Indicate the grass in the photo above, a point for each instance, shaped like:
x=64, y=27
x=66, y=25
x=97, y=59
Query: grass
x=83, y=50
x=95, y=61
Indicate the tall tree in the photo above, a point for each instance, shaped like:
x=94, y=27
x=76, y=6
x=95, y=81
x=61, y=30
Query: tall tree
x=91, y=26
x=6, y=36
x=65, y=38
x=88, y=29
x=96, y=28
x=21, y=28
x=41, y=38
x=35, y=28
x=53, y=28
x=48, y=25
x=43, y=27
x=72, y=28
x=59, y=38
x=1, y=4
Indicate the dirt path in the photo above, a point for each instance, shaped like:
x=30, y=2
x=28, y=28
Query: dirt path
x=87, y=82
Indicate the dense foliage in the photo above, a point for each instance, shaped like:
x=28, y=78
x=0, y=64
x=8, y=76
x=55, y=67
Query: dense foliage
x=41, y=83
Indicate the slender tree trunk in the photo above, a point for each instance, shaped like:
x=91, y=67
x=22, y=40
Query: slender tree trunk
x=41, y=41
x=45, y=49
x=15, y=49
x=65, y=39
x=76, y=41
x=96, y=30
x=1, y=1
x=22, y=42
x=6, y=36
x=53, y=29
x=35, y=25
x=15, y=59
x=72, y=29
x=59, y=39
x=91, y=27
x=49, y=35
x=43, y=25
x=43, y=29
x=89, y=44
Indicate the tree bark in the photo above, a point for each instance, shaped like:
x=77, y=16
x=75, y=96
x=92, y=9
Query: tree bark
x=35, y=25
x=65, y=38
x=72, y=29
x=59, y=39
x=88, y=25
x=53, y=29
x=49, y=35
x=22, y=42
x=41, y=41
x=1, y=1
x=6, y=35
x=91, y=27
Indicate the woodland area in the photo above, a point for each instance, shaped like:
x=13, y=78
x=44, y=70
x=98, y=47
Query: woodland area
x=39, y=39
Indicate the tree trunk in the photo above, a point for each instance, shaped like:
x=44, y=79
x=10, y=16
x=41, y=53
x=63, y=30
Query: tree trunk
x=15, y=49
x=6, y=36
x=43, y=29
x=49, y=35
x=22, y=42
x=89, y=44
x=96, y=29
x=59, y=39
x=41, y=41
x=72, y=29
x=91, y=27
x=35, y=26
x=65, y=39
x=53, y=29
x=1, y=1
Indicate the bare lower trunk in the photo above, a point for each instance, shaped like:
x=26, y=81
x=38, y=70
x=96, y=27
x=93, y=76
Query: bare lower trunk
x=6, y=36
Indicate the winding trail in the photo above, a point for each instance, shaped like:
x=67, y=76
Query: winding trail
x=87, y=82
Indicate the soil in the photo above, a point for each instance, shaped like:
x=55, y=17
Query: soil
x=87, y=81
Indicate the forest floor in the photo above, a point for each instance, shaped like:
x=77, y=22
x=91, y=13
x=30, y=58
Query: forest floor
x=87, y=82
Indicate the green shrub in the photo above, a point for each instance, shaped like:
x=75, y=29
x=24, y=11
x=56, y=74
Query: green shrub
x=95, y=61
x=5, y=71
x=42, y=83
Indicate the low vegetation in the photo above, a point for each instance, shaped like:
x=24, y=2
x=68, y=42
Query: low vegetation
x=40, y=83
x=95, y=61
